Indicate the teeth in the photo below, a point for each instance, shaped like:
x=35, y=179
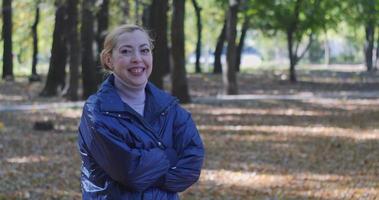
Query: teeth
x=136, y=70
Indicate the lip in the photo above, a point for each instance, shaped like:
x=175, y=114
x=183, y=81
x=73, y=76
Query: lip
x=136, y=70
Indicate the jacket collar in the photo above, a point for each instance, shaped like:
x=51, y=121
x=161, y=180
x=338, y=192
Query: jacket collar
x=156, y=100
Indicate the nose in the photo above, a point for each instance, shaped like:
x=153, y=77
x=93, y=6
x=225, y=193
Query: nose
x=136, y=57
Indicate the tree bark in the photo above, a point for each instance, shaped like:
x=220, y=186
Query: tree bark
x=377, y=50
x=245, y=28
x=199, y=30
x=87, y=38
x=102, y=17
x=219, y=48
x=179, y=79
x=229, y=76
x=158, y=25
x=125, y=5
x=73, y=46
x=34, y=76
x=57, y=73
x=7, y=36
x=292, y=54
x=369, y=44
x=136, y=9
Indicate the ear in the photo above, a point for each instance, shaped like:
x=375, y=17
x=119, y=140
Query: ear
x=109, y=61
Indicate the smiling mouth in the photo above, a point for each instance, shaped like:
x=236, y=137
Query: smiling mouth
x=136, y=70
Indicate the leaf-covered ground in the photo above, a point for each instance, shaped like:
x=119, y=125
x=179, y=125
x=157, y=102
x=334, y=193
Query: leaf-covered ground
x=311, y=148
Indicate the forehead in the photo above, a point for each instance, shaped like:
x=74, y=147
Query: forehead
x=135, y=39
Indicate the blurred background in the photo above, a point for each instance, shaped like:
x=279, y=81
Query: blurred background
x=284, y=92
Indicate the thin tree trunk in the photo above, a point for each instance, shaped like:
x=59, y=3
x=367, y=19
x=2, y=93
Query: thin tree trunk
x=229, y=77
x=245, y=28
x=326, y=49
x=57, y=72
x=199, y=30
x=102, y=17
x=34, y=76
x=125, y=5
x=158, y=24
x=179, y=78
x=369, y=44
x=292, y=54
x=146, y=15
x=136, y=6
x=7, y=36
x=219, y=48
x=377, y=50
x=74, y=46
x=87, y=38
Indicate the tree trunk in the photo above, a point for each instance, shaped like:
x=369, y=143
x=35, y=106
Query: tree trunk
x=369, y=44
x=125, y=5
x=136, y=9
x=87, y=38
x=34, y=76
x=229, y=76
x=199, y=30
x=219, y=48
x=377, y=50
x=245, y=28
x=326, y=49
x=158, y=24
x=179, y=79
x=291, y=56
x=57, y=73
x=146, y=15
x=7, y=36
x=102, y=26
x=102, y=17
x=74, y=46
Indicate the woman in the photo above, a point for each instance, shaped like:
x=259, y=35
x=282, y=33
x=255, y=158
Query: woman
x=135, y=140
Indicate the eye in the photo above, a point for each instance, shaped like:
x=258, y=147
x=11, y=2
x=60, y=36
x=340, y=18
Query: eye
x=125, y=51
x=145, y=51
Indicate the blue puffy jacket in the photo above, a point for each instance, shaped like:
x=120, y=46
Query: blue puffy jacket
x=127, y=156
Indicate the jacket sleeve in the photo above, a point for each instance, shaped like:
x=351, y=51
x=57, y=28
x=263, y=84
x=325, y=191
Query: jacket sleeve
x=189, y=147
x=136, y=169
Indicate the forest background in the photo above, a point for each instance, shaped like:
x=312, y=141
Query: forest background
x=284, y=92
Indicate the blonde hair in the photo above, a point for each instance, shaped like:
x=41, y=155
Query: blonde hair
x=111, y=40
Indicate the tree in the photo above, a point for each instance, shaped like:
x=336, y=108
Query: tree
x=179, y=78
x=87, y=38
x=297, y=19
x=73, y=47
x=7, y=36
x=199, y=30
x=57, y=73
x=158, y=24
x=102, y=17
x=34, y=76
x=245, y=28
x=229, y=76
x=219, y=49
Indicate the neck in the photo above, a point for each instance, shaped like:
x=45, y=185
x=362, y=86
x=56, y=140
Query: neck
x=131, y=95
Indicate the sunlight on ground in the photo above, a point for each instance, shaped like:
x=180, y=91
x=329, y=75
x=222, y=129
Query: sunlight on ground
x=11, y=97
x=27, y=159
x=71, y=113
x=300, y=184
x=293, y=131
x=279, y=111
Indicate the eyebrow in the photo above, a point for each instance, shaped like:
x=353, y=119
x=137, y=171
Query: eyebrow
x=130, y=46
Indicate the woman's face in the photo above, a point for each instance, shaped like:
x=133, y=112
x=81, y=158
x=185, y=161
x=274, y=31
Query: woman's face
x=132, y=59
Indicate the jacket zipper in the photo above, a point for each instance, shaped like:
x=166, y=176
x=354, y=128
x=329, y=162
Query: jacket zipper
x=164, y=115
